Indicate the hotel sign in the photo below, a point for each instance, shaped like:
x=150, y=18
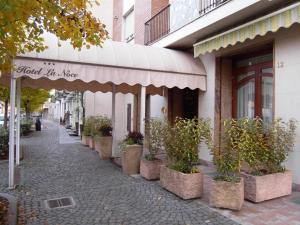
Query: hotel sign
x=38, y=69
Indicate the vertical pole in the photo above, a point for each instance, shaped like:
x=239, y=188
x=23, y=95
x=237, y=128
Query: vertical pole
x=79, y=110
x=12, y=132
x=142, y=109
x=166, y=103
x=18, y=121
x=113, y=118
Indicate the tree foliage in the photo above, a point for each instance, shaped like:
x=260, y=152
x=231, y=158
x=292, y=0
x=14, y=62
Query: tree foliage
x=4, y=97
x=33, y=99
x=4, y=94
x=23, y=22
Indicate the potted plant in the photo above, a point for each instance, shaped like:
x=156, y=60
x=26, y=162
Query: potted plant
x=87, y=131
x=132, y=150
x=103, y=139
x=150, y=164
x=265, y=148
x=181, y=176
x=4, y=146
x=227, y=187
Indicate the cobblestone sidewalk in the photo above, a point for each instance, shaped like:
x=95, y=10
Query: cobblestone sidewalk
x=102, y=194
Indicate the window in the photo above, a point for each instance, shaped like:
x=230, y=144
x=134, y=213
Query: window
x=253, y=88
x=128, y=117
x=129, y=25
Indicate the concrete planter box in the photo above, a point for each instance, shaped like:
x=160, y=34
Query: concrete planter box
x=91, y=143
x=103, y=145
x=227, y=195
x=85, y=140
x=131, y=157
x=262, y=188
x=150, y=169
x=186, y=186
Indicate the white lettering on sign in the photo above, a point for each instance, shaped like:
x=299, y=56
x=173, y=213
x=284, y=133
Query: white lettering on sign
x=47, y=72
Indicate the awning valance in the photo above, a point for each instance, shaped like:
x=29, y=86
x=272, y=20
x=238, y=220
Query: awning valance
x=260, y=27
x=127, y=66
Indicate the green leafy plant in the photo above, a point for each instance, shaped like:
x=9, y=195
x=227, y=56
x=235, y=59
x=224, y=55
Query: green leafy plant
x=154, y=130
x=228, y=157
x=4, y=138
x=25, y=126
x=263, y=147
x=132, y=138
x=279, y=140
x=102, y=126
x=182, y=140
x=89, y=126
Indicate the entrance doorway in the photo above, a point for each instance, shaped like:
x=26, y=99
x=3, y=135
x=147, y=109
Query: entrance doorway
x=182, y=103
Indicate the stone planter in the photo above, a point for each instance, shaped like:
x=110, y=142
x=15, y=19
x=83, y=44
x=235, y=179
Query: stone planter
x=85, y=140
x=91, y=143
x=150, y=169
x=103, y=145
x=227, y=195
x=131, y=157
x=186, y=186
x=262, y=188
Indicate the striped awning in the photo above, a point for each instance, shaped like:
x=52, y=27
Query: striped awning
x=260, y=27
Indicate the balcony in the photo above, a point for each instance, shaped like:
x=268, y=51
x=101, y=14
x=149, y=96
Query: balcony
x=158, y=26
x=165, y=22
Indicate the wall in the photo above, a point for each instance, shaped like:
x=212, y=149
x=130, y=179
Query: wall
x=142, y=13
x=287, y=91
x=183, y=12
x=117, y=20
x=105, y=13
x=207, y=99
x=157, y=5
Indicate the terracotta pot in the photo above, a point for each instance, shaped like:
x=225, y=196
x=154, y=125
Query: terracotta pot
x=150, y=169
x=131, y=157
x=103, y=145
x=85, y=140
x=186, y=186
x=228, y=195
x=91, y=143
x=262, y=188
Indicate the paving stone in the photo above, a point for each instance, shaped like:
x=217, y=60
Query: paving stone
x=102, y=193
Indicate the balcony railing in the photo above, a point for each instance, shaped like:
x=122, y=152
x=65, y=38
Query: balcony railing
x=209, y=5
x=159, y=25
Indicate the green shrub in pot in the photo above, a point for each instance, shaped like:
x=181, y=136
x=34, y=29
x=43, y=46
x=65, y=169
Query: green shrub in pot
x=102, y=136
x=154, y=130
x=264, y=148
x=181, y=176
x=132, y=150
x=182, y=140
x=227, y=187
x=154, y=142
x=89, y=126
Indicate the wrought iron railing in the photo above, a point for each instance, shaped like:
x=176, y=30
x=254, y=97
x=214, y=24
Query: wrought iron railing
x=158, y=26
x=206, y=6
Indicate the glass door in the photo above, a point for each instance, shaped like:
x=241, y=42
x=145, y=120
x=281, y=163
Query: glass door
x=253, y=92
